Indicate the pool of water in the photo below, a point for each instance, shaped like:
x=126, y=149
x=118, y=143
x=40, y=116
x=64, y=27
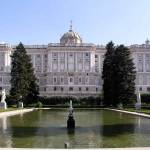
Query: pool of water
x=94, y=129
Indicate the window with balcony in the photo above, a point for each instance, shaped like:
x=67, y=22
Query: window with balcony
x=140, y=88
x=61, y=79
x=79, y=88
x=55, y=88
x=70, y=88
x=148, y=89
x=62, y=89
x=54, y=79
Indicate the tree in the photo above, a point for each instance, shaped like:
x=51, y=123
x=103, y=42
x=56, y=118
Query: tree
x=118, y=76
x=23, y=80
x=124, y=78
x=108, y=74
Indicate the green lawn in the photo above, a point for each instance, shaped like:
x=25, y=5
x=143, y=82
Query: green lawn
x=8, y=109
x=146, y=111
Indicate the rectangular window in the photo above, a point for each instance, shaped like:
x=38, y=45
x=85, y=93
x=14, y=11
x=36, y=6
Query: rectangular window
x=80, y=79
x=87, y=80
x=71, y=80
x=87, y=89
x=62, y=89
x=140, y=88
x=1, y=68
x=55, y=88
x=79, y=88
x=87, y=54
x=140, y=80
x=61, y=79
x=54, y=54
x=148, y=89
x=140, y=62
x=70, y=88
x=96, y=56
x=55, y=79
x=38, y=55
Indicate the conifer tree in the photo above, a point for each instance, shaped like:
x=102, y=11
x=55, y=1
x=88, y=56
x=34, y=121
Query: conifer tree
x=125, y=75
x=107, y=75
x=23, y=80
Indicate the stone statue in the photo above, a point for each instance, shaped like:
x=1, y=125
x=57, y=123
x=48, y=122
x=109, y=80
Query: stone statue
x=70, y=109
x=3, y=96
x=70, y=121
x=3, y=104
x=139, y=97
x=138, y=103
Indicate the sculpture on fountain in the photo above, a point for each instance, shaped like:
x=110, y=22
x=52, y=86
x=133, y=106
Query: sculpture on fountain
x=70, y=121
x=3, y=104
x=138, y=103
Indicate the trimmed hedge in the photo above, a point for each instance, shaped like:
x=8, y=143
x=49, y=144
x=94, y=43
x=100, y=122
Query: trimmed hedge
x=145, y=98
x=57, y=100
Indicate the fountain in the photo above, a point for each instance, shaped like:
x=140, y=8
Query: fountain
x=70, y=121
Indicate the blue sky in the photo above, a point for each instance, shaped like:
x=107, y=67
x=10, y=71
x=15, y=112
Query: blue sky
x=97, y=21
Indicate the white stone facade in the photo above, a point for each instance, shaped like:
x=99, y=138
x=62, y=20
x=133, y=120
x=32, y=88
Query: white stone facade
x=73, y=68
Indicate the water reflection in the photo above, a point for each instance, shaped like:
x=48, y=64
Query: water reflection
x=5, y=138
x=94, y=129
x=3, y=124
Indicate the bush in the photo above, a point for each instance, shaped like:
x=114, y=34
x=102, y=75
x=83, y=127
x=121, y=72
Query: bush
x=58, y=100
x=11, y=100
x=145, y=98
x=39, y=105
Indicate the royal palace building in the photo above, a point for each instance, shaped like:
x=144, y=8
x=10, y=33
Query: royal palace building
x=71, y=67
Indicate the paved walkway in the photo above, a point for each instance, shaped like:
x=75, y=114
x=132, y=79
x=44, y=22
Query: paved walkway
x=15, y=112
x=129, y=112
x=139, y=148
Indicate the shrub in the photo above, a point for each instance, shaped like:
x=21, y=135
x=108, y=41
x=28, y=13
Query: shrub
x=58, y=100
x=145, y=98
x=39, y=105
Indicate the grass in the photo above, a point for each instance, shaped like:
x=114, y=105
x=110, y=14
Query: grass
x=8, y=109
x=143, y=110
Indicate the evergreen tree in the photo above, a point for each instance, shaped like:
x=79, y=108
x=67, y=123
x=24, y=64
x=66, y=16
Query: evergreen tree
x=23, y=80
x=118, y=76
x=124, y=77
x=107, y=75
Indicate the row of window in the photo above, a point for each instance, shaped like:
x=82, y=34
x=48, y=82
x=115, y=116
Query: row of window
x=70, y=54
x=141, y=89
x=70, y=89
x=71, y=79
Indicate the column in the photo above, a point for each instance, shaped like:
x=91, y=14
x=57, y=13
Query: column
x=76, y=61
x=99, y=63
x=34, y=60
x=51, y=61
x=144, y=63
x=42, y=63
x=58, y=62
x=83, y=62
x=66, y=61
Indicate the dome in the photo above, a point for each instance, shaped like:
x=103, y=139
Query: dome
x=70, y=38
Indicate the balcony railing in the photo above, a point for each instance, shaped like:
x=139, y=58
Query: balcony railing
x=72, y=45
